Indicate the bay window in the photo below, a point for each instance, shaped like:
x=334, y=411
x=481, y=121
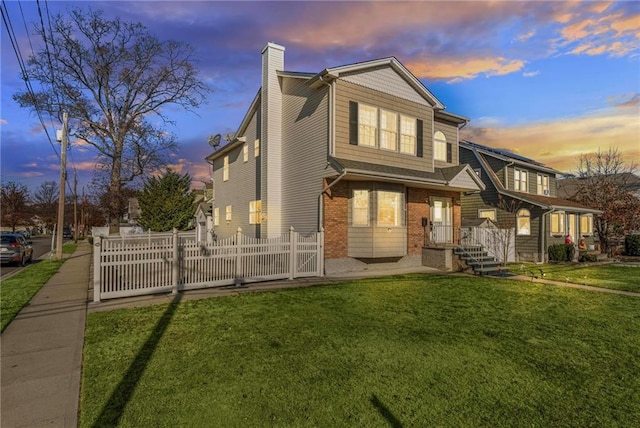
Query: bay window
x=360, y=208
x=389, y=208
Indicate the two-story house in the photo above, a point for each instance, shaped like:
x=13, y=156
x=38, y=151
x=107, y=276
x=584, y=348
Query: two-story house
x=362, y=151
x=520, y=193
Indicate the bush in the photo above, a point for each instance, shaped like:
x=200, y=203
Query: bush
x=632, y=245
x=561, y=252
x=587, y=257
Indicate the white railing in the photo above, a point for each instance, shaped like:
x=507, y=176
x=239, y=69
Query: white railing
x=163, y=262
x=499, y=243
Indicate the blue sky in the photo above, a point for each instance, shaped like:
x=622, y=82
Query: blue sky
x=546, y=79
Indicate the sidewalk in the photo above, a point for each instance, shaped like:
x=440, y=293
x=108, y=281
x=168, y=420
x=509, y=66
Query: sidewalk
x=42, y=350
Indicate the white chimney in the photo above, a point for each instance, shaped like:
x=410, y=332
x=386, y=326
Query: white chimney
x=271, y=140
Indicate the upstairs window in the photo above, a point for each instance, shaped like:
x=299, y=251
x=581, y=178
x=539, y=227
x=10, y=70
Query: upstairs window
x=407, y=135
x=228, y=212
x=388, y=130
x=439, y=146
x=543, y=185
x=367, y=126
x=216, y=216
x=520, y=182
x=245, y=152
x=256, y=148
x=225, y=169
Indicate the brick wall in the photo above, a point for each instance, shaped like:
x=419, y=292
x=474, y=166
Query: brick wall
x=417, y=208
x=336, y=217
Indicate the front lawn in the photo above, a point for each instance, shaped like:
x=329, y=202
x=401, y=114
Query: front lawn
x=614, y=276
x=415, y=350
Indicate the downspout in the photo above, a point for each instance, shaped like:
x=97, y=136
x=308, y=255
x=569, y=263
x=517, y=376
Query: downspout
x=331, y=110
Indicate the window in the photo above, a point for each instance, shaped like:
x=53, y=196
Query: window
x=389, y=206
x=439, y=146
x=543, y=185
x=228, y=212
x=245, y=153
x=523, y=222
x=487, y=213
x=256, y=148
x=408, y=135
x=360, y=208
x=557, y=223
x=255, y=212
x=586, y=224
x=225, y=170
x=388, y=130
x=367, y=126
x=520, y=180
x=216, y=216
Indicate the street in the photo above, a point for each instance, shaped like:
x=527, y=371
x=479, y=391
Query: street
x=41, y=246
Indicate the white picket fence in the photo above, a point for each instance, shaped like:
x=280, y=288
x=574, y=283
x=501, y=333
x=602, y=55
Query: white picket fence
x=172, y=262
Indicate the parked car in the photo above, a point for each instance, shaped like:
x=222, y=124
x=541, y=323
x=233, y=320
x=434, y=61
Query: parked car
x=14, y=248
x=66, y=233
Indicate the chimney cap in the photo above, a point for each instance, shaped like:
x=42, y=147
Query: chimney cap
x=273, y=46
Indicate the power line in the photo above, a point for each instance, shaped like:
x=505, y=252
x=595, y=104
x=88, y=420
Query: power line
x=25, y=76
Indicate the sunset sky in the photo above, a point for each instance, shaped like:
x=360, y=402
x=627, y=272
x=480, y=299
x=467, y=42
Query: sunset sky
x=546, y=79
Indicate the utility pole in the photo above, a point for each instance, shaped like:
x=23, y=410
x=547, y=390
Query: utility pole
x=75, y=206
x=63, y=180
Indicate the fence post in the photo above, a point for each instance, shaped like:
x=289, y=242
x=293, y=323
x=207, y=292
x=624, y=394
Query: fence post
x=293, y=244
x=97, y=270
x=175, y=263
x=320, y=251
x=239, y=256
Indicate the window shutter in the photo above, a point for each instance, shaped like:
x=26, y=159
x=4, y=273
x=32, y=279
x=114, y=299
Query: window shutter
x=449, y=154
x=353, y=123
x=419, y=138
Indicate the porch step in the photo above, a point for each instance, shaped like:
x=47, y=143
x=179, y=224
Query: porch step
x=476, y=258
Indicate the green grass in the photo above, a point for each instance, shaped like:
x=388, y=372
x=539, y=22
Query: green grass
x=410, y=350
x=614, y=276
x=18, y=290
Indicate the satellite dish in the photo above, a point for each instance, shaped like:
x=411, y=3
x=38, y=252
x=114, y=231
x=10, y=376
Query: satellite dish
x=214, y=140
x=229, y=137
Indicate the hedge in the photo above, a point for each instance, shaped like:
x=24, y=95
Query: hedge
x=632, y=245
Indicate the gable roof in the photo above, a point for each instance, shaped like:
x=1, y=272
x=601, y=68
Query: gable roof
x=507, y=156
x=336, y=72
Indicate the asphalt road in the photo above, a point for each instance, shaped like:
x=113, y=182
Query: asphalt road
x=41, y=246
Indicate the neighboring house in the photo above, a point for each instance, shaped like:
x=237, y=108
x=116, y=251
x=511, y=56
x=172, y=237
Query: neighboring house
x=363, y=151
x=569, y=187
x=204, y=213
x=521, y=193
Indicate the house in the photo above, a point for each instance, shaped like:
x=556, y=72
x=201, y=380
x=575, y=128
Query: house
x=520, y=193
x=362, y=151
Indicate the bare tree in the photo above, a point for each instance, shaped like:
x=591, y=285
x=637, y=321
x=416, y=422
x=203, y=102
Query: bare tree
x=113, y=78
x=45, y=202
x=13, y=200
x=603, y=183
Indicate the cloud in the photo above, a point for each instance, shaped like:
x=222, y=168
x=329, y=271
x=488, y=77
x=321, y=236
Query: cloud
x=530, y=73
x=559, y=143
x=3, y=122
x=469, y=68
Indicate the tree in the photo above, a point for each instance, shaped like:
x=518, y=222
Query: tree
x=167, y=202
x=13, y=200
x=45, y=203
x=113, y=77
x=603, y=184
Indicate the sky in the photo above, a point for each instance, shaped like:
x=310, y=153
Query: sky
x=549, y=80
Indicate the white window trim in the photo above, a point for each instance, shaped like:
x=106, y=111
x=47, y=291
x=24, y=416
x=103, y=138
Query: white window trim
x=414, y=135
x=225, y=169
x=528, y=232
x=520, y=181
x=439, y=143
x=245, y=153
x=540, y=184
x=495, y=213
x=256, y=148
x=398, y=214
x=376, y=126
x=590, y=217
x=216, y=216
x=228, y=216
x=398, y=131
x=563, y=226
x=393, y=132
x=353, y=208
x=255, y=212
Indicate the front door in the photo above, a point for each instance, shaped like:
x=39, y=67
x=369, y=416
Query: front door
x=441, y=220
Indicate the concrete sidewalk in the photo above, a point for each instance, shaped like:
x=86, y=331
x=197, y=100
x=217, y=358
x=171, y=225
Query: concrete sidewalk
x=42, y=350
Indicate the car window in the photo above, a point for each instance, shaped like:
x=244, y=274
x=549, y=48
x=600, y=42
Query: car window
x=8, y=239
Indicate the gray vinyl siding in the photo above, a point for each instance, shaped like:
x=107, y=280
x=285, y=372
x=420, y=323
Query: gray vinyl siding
x=304, y=152
x=372, y=241
x=242, y=187
x=347, y=91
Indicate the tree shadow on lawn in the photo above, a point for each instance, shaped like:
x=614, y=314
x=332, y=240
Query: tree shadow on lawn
x=112, y=410
x=385, y=412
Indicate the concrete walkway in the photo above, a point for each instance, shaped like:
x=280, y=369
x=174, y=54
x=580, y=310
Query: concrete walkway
x=42, y=347
x=42, y=351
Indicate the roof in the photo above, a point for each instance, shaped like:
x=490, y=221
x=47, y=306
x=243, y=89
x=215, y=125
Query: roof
x=545, y=202
x=461, y=177
x=506, y=155
x=568, y=187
